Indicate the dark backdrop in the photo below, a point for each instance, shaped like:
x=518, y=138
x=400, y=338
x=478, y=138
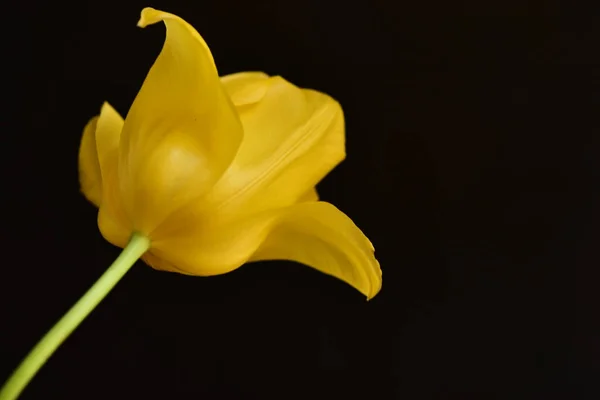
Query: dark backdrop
x=472, y=165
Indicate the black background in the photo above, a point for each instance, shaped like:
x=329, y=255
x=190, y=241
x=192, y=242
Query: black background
x=473, y=144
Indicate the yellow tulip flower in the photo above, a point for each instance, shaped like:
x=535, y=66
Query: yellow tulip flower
x=208, y=173
x=216, y=172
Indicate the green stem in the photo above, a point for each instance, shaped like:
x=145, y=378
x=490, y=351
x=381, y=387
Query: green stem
x=13, y=387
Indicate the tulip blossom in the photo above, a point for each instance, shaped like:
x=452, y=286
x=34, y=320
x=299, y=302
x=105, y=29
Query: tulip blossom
x=207, y=173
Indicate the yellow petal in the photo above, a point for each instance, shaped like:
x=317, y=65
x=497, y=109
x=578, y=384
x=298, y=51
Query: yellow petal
x=108, y=135
x=100, y=139
x=311, y=195
x=113, y=221
x=205, y=247
x=245, y=87
x=314, y=233
x=90, y=178
x=319, y=235
x=292, y=138
x=181, y=128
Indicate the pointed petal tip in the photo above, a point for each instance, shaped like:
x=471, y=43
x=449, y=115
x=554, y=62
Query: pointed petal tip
x=373, y=293
x=150, y=16
x=106, y=107
x=376, y=286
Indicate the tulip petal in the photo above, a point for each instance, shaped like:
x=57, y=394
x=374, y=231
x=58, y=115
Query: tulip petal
x=203, y=247
x=181, y=128
x=311, y=195
x=113, y=221
x=90, y=178
x=245, y=88
x=292, y=138
x=100, y=139
x=108, y=135
x=313, y=233
x=319, y=235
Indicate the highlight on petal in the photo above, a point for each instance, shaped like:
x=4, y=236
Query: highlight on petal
x=319, y=235
x=181, y=128
x=100, y=139
x=245, y=88
x=292, y=138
